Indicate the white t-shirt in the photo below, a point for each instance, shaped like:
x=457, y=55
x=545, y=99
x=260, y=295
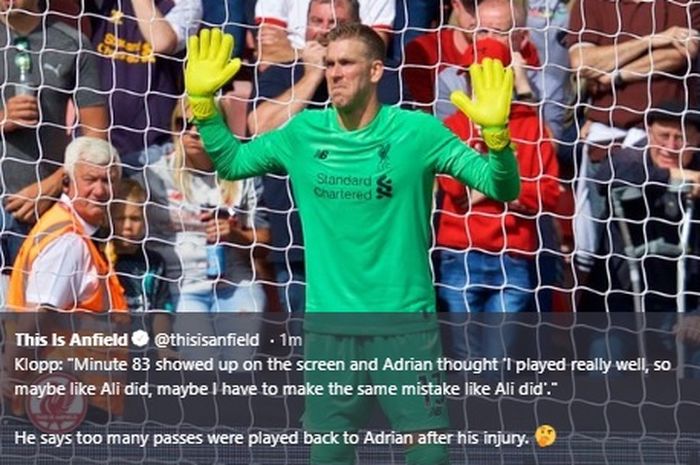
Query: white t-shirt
x=63, y=274
x=175, y=220
x=184, y=18
x=292, y=14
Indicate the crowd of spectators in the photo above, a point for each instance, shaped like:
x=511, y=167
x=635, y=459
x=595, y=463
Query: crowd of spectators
x=604, y=102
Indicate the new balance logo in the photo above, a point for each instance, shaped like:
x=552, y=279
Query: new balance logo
x=321, y=154
x=384, y=188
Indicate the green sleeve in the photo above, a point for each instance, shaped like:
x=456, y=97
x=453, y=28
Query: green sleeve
x=495, y=174
x=234, y=160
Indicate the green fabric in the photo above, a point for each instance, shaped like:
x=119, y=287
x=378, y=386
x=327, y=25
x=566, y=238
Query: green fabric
x=427, y=454
x=406, y=413
x=365, y=199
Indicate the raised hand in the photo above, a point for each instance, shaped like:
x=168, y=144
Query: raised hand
x=492, y=87
x=209, y=67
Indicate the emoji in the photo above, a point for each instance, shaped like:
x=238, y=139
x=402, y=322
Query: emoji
x=545, y=435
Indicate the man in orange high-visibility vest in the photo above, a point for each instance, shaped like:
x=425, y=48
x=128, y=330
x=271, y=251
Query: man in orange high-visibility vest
x=60, y=269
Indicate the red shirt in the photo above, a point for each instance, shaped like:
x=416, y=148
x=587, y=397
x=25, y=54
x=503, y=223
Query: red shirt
x=494, y=226
x=429, y=54
x=426, y=56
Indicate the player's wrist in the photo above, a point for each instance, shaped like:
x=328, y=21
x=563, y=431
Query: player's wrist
x=203, y=107
x=496, y=138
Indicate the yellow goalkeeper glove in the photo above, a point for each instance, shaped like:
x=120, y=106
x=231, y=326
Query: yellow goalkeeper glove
x=209, y=67
x=493, y=89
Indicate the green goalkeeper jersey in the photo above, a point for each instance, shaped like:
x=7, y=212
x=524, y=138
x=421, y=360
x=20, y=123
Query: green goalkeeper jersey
x=365, y=198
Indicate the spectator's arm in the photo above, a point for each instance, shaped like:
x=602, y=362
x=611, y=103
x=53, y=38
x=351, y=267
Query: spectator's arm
x=167, y=34
x=94, y=121
x=520, y=78
x=274, y=113
x=231, y=230
x=249, y=228
x=273, y=44
x=30, y=202
x=598, y=61
x=666, y=59
x=271, y=114
x=593, y=61
x=242, y=236
x=19, y=111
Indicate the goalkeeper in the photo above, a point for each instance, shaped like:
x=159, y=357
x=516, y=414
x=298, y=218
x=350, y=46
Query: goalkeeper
x=362, y=175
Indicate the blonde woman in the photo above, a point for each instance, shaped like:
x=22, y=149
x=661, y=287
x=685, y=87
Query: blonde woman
x=217, y=227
